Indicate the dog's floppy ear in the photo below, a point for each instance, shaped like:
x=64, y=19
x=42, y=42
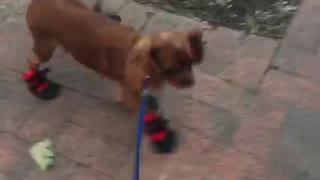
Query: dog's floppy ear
x=139, y=64
x=136, y=70
x=196, y=45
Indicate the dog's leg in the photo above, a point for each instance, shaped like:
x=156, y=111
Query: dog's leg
x=118, y=94
x=36, y=80
x=130, y=99
x=41, y=52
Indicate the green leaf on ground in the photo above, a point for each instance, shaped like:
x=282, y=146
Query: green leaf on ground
x=42, y=154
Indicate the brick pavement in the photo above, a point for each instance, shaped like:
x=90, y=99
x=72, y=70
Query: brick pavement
x=253, y=114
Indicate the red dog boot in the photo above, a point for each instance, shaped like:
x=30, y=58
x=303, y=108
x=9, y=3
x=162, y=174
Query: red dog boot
x=161, y=136
x=40, y=86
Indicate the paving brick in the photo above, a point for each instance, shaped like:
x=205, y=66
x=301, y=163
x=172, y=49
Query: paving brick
x=221, y=46
x=299, y=48
x=163, y=21
x=105, y=118
x=14, y=90
x=217, y=124
x=246, y=71
x=101, y=153
x=14, y=158
x=72, y=75
x=252, y=139
x=76, y=76
x=251, y=61
x=302, y=34
x=15, y=44
x=296, y=153
x=6, y=9
x=17, y=104
x=87, y=174
x=136, y=15
x=300, y=90
x=14, y=116
x=194, y=159
x=108, y=6
x=214, y=91
x=299, y=63
x=113, y=5
x=253, y=142
x=64, y=169
x=259, y=47
x=47, y=121
x=5, y=177
x=37, y=129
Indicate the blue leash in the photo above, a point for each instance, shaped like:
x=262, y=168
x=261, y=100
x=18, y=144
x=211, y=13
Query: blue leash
x=142, y=113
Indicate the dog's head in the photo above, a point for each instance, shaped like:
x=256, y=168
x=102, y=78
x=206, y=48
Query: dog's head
x=174, y=54
x=167, y=56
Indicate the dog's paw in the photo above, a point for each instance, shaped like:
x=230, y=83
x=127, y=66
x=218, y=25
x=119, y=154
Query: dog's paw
x=163, y=139
x=117, y=95
x=40, y=86
x=168, y=144
x=51, y=91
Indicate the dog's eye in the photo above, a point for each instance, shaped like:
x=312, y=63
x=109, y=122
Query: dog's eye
x=185, y=63
x=177, y=70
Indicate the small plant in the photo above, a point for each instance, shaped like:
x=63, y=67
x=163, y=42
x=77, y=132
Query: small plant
x=268, y=18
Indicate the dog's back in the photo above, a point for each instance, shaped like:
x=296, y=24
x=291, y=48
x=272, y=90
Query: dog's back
x=82, y=32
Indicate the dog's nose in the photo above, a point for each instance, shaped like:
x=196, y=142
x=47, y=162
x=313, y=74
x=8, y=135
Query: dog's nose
x=186, y=82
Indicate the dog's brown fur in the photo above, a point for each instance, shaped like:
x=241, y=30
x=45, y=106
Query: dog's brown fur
x=112, y=50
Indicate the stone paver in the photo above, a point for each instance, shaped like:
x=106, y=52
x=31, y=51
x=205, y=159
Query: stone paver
x=6, y=9
x=300, y=90
x=108, y=6
x=100, y=153
x=296, y=154
x=252, y=114
x=4, y=177
x=65, y=169
x=136, y=15
x=299, y=53
x=14, y=160
x=220, y=50
x=163, y=21
x=251, y=61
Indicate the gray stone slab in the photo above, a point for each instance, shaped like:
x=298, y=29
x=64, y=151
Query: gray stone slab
x=5, y=177
x=15, y=160
x=220, y=49
x=101, y=153
x=108, y=6
x=136, y=15
x=299, y=53
x=15, y=43
x=6, y=8
x=164, y=21
x=297, y=155
x=65, y=169
x=252, y=60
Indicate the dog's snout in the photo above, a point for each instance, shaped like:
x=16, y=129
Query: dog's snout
x=187, y=82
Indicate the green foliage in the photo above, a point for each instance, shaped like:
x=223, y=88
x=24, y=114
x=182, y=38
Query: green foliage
x=268, y=18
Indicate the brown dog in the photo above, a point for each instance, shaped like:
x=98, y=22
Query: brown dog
x=112, y=50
